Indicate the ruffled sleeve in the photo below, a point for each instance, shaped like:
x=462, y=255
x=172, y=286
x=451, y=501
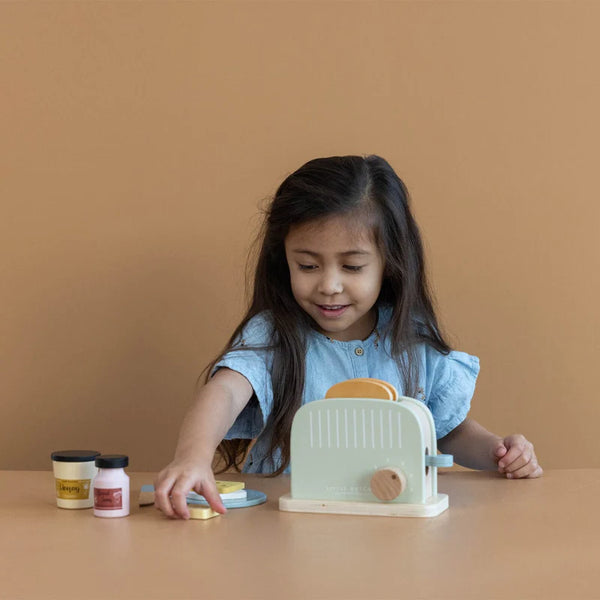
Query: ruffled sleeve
x=251, y=358
x=449, y=387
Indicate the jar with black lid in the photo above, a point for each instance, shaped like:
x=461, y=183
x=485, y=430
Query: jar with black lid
x=111, y=486
x=74, y=472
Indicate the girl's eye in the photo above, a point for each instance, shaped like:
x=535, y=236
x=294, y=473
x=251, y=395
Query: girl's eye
x=353, y=268
x=306, y=267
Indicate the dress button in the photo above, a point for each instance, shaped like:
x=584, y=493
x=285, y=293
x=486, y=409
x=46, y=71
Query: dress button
x=358, y=351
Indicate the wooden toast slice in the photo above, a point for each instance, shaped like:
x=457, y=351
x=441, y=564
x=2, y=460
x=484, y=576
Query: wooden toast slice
x=363, y=387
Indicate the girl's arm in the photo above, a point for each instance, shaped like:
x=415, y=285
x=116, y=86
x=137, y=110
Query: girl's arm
x=475, y=447
x=214, y=410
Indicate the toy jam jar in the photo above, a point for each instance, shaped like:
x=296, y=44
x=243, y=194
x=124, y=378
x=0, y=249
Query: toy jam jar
x=111, y=486
x=74, y=471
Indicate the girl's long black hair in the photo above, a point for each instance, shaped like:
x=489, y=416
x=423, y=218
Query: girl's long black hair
x=359, y=186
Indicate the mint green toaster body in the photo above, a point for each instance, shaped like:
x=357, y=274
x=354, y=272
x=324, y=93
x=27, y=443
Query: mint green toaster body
x=337, y=444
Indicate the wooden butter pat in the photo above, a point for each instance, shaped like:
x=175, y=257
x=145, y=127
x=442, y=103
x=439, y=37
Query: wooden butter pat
x=202, y=512
x=225, y=487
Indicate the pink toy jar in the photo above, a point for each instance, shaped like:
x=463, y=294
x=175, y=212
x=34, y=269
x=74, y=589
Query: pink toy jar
x=111, y=486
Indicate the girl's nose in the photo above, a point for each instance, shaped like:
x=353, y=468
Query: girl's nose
x=330, y=284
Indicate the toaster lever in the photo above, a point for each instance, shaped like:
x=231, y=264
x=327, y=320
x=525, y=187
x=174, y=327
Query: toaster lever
x=439, y=460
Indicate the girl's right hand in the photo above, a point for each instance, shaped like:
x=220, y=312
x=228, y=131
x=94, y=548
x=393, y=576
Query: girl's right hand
x=175, y=481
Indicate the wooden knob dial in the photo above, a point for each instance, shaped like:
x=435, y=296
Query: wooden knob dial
x=388, y=483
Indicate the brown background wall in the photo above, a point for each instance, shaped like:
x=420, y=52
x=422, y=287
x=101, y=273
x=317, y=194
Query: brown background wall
x=139, y=139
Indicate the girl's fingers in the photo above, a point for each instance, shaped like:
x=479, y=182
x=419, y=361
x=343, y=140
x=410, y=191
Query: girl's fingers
x=161, y=496
x=209, y=491
x=520, y=452
x=500, y=451
x=170, y=494
x=529, y=471
x=519, y=462
x=178, y=498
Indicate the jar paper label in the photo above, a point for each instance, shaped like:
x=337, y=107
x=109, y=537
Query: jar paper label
x=108, y=499
x=73, y=489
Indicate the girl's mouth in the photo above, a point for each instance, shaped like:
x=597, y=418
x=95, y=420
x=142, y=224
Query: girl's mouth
x=332, y=310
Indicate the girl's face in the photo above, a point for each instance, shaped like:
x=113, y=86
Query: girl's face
x=336, y=272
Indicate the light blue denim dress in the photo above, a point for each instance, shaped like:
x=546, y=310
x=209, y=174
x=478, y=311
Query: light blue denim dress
x=446, y=382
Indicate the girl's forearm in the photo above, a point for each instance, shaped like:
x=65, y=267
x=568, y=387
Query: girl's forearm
x=471, y=445
x=206, y=423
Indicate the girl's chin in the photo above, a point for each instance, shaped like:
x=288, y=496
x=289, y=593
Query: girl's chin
x=335, y=328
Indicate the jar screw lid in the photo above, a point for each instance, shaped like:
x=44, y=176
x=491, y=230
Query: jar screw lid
x=112, y=461
x=74, y=455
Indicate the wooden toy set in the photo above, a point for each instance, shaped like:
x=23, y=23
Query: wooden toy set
x=233, y=495
x=363, y=450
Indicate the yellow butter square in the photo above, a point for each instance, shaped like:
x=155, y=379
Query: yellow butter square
x=202, y=512
x=226, y=487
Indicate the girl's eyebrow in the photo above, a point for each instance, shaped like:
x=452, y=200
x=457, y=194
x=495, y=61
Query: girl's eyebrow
x=346, y=253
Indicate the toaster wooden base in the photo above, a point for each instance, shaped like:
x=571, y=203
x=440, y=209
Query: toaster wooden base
x=433, y=507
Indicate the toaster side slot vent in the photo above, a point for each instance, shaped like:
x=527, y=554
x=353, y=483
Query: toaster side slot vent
x=320, y=431
x=371, y=429
x=399, y=432
x=346, y=425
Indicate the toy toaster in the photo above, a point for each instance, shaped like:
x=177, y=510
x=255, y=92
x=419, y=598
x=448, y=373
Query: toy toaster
x=365, y=451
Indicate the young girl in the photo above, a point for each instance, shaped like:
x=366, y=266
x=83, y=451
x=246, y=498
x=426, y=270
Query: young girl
x=340, y=291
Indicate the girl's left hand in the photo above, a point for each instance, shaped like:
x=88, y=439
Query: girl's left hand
x=516, y=458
